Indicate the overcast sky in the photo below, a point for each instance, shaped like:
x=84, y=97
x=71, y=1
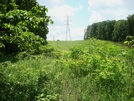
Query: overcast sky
x=83, y=13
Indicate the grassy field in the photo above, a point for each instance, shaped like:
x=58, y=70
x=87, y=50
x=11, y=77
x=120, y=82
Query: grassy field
x=66, y=45
x=90, y=70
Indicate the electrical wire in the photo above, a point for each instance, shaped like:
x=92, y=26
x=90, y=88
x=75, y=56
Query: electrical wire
x=112, y=4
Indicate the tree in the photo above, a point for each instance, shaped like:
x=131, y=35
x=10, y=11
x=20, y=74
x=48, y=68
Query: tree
x=101, y=30
x=87, y=34
x=130, y=20
x=7, y=5
x=93, y=30
x=26, y=4
x=41, y=13
x=120, y=31
x=23, y=29
x=110, y=29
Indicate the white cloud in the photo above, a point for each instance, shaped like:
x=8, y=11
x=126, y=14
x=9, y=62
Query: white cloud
x=50, y=3
x=109, y=9
x=78, y=33
x=95, y=17
x=58, y=14
x=99, y=9
x=80, y=7
x=56, y=1
x=58, y=9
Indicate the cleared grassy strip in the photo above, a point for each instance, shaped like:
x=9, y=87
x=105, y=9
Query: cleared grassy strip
x=93, y=70
x=66, y=45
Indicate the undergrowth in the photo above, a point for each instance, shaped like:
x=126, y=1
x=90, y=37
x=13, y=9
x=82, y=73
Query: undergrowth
x=93, y=71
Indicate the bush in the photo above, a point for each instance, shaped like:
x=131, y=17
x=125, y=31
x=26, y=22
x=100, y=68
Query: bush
x=129, y=41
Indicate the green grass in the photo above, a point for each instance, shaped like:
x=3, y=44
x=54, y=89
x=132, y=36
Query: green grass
x=66, y=45
x=86, y=70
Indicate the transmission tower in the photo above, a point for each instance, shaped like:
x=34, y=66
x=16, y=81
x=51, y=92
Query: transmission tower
x=68, y=34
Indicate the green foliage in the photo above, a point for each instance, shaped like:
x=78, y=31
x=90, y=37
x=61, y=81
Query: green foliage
x=24, y=80
x=43, y=20
x=129, y=41
x=25, y=4
x=24, y=29
x=101, y=30
x=130, y=19
x=95, y=70
x=76, y=52
x=112, y=30
x=120, y=31
x=7, y=5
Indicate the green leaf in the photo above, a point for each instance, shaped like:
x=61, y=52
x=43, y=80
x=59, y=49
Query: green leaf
x=46, y=9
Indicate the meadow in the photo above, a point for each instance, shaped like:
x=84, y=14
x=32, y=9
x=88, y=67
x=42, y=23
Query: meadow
x=86, y=70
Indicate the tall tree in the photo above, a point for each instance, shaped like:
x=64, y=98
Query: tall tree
x=130, y=19
x=93, y=30
x=87, y=33
x=26, y=4
x=23, y=29
x=7, y=5
x=120, y=30
x=110, y=29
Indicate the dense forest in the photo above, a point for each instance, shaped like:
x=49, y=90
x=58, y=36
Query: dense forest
x=23, y=25
x=112, y=30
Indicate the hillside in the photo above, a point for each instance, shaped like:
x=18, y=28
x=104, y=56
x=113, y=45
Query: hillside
x=66, y=45
x=89, y=70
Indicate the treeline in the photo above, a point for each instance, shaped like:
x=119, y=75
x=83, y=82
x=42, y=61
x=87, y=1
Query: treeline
x=112, y=30
x=23, y=25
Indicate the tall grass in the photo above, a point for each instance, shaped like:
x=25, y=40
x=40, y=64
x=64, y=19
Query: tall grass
x=22, y=80
x=91, y=70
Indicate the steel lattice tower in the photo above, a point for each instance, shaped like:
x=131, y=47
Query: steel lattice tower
x=68, y=34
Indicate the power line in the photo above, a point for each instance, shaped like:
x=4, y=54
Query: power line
x=109, y=6
x=112, y=4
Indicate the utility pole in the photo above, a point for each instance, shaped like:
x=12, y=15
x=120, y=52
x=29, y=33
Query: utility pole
x=53, y=38
x=85, y=34
x=68, y=27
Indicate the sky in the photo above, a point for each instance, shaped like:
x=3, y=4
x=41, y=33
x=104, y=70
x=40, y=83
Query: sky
x=82, y=13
